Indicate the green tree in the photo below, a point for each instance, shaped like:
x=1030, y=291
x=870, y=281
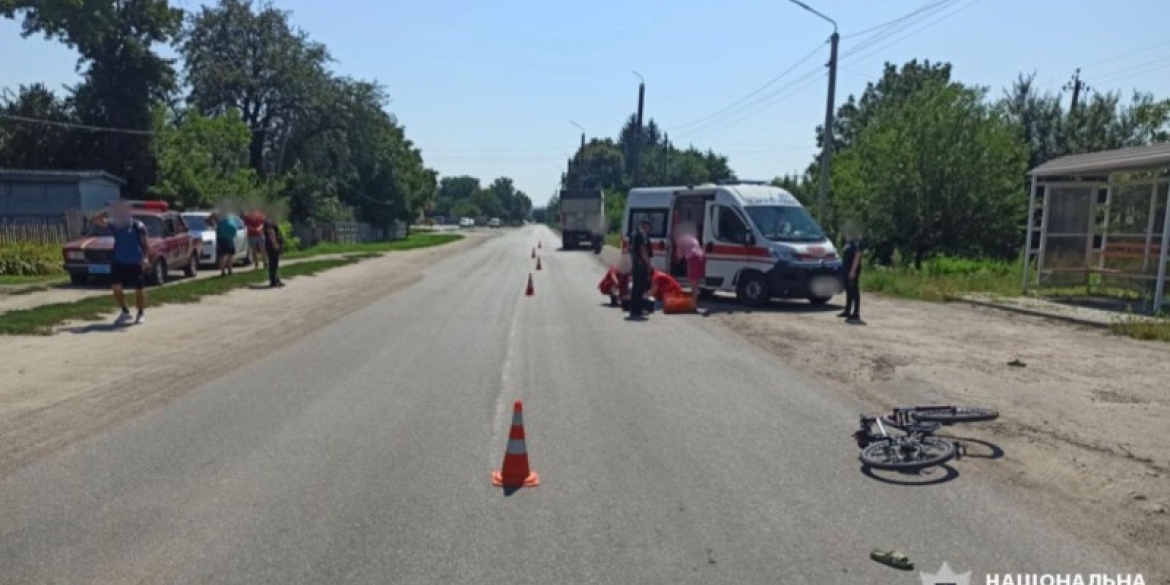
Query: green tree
x=123, y=78
x=240, y=55
x=202, y=160
x=37, y=146
x=936, y=173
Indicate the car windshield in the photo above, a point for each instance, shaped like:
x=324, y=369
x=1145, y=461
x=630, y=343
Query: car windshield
x=152, y=223
x=196, y=223
x=785, y=223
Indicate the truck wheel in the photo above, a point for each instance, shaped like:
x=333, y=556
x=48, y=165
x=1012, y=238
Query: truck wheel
x=752, y=290
x=158, y=273
x=598, y=244
x=568, y=244
x=192, y=267
x=78, y=278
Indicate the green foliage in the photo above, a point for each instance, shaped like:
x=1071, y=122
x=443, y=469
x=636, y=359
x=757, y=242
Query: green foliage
x=124, y=78
x=203, y=160
x=291, y=242
x=463, y=196
x=943, y=278
x=29, y=259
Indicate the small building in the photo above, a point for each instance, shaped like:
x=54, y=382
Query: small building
x=1101, y=222
x=38, y=197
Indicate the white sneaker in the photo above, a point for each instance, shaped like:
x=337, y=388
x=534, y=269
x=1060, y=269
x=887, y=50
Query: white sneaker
x=123, y=318
x=140, y=319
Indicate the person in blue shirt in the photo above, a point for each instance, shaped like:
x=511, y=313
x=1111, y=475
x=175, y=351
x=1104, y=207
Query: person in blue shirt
x=226, y=229
x=131, y=256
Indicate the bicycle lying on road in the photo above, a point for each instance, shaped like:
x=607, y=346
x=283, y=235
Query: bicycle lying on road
x=918, y=448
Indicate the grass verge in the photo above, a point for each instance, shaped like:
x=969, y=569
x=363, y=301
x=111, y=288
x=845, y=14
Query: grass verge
x=1157, y=329
x=44, y=320
x=412, y=242
x=944, y=279
x=13, y=280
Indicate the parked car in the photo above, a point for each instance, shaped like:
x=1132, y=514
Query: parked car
x=467, y=222
x=197, y=223
x=494, y=223
x=172, y=247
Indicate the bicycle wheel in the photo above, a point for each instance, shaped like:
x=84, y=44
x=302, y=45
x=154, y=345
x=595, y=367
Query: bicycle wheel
x=957, y=414
x=908, y=455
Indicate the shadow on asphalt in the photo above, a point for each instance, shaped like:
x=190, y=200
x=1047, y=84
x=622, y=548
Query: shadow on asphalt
x=929, y=476
x=984, y=450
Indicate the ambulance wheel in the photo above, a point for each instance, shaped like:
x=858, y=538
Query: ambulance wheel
x=819, y=301
x=706, y=294
x=752, y=291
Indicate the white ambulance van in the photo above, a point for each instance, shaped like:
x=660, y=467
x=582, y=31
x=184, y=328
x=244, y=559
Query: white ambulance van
x=760, y=242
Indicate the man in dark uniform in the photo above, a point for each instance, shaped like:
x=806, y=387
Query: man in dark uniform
x=640, y=254
x=851, y=264
x=274, y=245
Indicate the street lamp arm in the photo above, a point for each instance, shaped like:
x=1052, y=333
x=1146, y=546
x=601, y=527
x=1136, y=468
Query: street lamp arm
x=814, y=11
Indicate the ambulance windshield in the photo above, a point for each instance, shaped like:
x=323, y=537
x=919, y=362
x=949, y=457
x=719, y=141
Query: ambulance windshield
x=785, y=223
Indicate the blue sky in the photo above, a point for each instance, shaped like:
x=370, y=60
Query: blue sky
x=490, y=88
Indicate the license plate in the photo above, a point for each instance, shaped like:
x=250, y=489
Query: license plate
x=99, y=268
x=824, y=286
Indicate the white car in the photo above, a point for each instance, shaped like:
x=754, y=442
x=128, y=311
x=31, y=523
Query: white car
x=197, y=222
x=494, y=223
x=467, y=222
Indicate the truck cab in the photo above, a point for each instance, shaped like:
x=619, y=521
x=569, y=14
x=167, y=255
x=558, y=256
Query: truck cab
x=760, y=242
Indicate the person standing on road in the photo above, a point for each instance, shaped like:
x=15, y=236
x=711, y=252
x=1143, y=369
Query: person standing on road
x=131, y=257
x=851, y=264
x=274, y=245
x=254, y=222
x=640, y=255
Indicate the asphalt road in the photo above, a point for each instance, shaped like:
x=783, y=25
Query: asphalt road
x=670, y=451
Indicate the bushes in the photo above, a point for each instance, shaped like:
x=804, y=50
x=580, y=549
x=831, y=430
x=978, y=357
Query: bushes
x=30, y=259
x=291, y=242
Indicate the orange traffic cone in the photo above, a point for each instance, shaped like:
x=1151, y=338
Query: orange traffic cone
x=531, y=290
x=515, y=473
x=538, y=262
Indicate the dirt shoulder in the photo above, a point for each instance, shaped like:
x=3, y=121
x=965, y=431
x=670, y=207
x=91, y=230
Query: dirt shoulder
x=61, y=389
x=1082, y=424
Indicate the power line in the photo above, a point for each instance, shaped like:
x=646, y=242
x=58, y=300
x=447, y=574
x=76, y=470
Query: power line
x=915, y=18
x=72, y=126
x=925, y=8
x=897, y=41
x=769, y=101
x=770, y=83
x=1126, y=72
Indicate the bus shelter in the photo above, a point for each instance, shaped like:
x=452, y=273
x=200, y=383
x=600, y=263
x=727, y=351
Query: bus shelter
x=1101, y=221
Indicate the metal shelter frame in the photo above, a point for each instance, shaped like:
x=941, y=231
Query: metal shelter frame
x=1078, y=210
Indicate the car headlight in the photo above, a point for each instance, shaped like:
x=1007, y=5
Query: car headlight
x=75, y=255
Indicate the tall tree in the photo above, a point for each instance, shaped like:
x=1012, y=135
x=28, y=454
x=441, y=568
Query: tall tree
x=202, y=161
x=246, y=56
x=936, y=173
x=25, y=145
x=123, y=77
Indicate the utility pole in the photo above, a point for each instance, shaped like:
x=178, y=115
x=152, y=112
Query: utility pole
x=638, y=136
x=1076, y=86
x=665, y=157
x=827, y=135
x=582, y=129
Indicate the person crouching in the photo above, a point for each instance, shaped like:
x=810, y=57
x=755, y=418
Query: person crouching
x=616, y=285
x=663, y=286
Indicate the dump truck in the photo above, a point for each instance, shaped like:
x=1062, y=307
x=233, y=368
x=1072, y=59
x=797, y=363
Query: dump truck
x=583, y=219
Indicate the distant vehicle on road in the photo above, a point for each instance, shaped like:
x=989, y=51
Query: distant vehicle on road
x=172, y=247
x=197, y=223
x=760, y=241
x=583, y=219
x=494, y=222
x=467, y=222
